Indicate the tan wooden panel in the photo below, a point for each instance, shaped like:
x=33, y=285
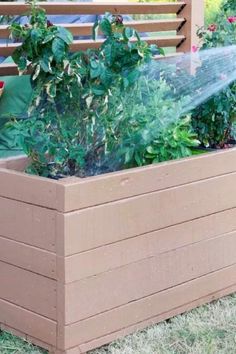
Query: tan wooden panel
x=27, y=223
x=115, y=7
x=27, y=188
x=118, y=254
x=77, y=45
x=156, y=273
x=28, y=290
x=85, y=29
x=81, y=193
x=27, y=322
x=112, y=222
x=28, y=257
x=148, y=310
x=167, y=315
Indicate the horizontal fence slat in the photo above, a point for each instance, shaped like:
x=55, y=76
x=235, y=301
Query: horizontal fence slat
x=28, y=322
x=85, y=29
x=77, y=45
x=28, y=290
x=65, y=8
x=108, y=257
x=11, y=69
x=156, y=273
x=28, y=257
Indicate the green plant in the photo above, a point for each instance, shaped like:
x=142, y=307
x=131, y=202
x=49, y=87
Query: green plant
x=215, y=120
x=81, y=119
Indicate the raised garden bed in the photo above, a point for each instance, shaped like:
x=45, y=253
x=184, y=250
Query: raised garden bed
x=85, y=261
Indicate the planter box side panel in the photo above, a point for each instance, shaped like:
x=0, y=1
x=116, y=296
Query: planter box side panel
x=112, y=222
x=168, y=241
x=133, y=182
x=112, y=324
x=28, y=270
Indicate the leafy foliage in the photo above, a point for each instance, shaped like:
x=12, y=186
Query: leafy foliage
x=91, y=111
x=215, y=120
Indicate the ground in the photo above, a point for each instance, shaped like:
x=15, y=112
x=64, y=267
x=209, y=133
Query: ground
x=210, y=329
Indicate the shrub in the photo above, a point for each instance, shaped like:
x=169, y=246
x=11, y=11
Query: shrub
x=93, y=111
x=215, y=120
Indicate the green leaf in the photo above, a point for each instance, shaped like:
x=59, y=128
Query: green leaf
x=58, y=49
x=65, y=35
x=22, y=64
x=105, y=27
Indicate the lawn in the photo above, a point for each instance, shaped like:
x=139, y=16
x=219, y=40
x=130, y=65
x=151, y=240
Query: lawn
x=210, y=329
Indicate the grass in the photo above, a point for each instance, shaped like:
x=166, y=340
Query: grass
x=210, y=329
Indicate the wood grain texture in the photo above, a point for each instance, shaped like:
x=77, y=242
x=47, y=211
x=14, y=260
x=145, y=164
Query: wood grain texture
x=146, y=309
x=109, y=257
x=115, y=7
x=156, y=273
x=27, y=223
x=27, y=257
x=85, y=29
x=27, y=322
x=83, y=193
x=28, y=290
x=134, y=216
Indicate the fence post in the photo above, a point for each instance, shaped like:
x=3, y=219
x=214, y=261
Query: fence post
x=193, y=12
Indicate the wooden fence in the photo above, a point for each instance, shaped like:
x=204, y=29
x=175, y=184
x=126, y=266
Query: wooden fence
x=179, y=31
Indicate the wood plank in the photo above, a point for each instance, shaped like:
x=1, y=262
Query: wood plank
x=161, y=41
x=134, y=216
x=27, y=322
x=77, y=45
x=28, y=290
x=156, y=273
x=65, y=8
x=27, y=223
x=120, y=321
x=27, y=188
x=27, y=257
x=11, y=69
x=82, y=193
x=109, y=257
x=85, y=29
x=154, y=320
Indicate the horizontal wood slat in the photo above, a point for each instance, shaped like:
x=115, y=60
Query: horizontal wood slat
x=156, y=273
x=82, y=193
x=156, y=319
x=29, y=290
x=11, y=69
x=106, y=258
x=65, y=8
x=28, y=257
x=28, y=224
x=159, y=304
x=85, y=29
x=134, y=216
x=28, y=322
x=77, y=45
x=27, y=188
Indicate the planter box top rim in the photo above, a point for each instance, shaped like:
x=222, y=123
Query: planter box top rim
x=14, y=164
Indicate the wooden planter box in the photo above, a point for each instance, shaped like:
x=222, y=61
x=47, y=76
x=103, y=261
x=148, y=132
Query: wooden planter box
x=85, y=261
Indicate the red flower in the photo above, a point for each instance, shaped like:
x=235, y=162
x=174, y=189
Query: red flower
x=49, y=23
x=194, y=49
x=212, y=27
x=231, y=19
